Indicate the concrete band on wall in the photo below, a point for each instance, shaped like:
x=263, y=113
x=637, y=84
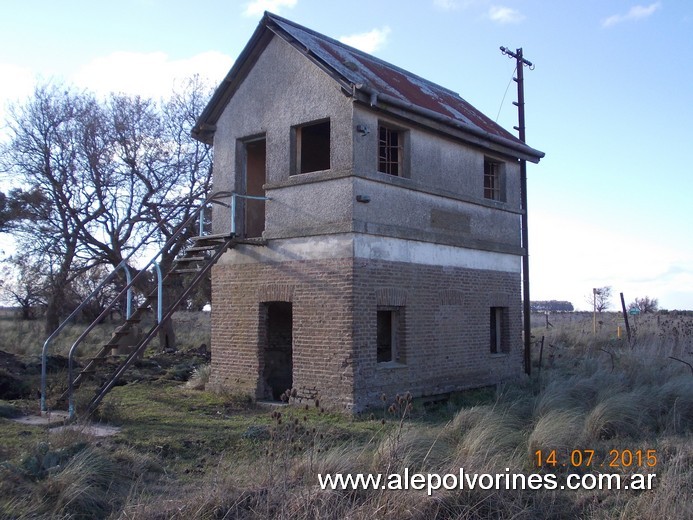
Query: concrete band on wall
x=350, y=245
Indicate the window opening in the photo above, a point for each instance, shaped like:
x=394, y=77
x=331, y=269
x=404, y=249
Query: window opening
x=388, y=336
x=389, y=151
x=492, y=180
x=498, y=330
x=313, y=147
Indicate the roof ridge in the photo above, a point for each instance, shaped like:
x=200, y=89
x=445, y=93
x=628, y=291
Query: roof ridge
x=274, y=17
x=373, y=77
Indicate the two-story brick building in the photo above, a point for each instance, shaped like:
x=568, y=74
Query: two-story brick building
x=388, y=257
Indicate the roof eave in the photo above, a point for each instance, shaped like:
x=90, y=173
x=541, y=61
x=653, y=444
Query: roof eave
x=516, y=148
x=205, y=126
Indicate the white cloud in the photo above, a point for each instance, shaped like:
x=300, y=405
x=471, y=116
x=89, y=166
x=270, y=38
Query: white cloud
x=637, y=12
x=368, y=42
x=452, y=5
x=258, y=7
x=18, y=82
x=570, y=256
x=149, y=74
x=505, y=15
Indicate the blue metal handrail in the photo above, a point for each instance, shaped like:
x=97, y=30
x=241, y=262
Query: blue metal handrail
x=159, y=291
x=126, y=289
x=235, y=196
x=172, y=239
x=66, y=322
x=128, y=279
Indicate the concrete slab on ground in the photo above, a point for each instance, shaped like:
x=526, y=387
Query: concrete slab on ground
x=45, y=419
x=56, y=423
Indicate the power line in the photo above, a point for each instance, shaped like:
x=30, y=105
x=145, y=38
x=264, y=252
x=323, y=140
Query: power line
x=512, y=77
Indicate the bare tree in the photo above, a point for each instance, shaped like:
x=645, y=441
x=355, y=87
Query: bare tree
x=600, y=298
x=645, y=305
x=23, y=285
x=107, y=172
x=42, y=155
x=85, y=284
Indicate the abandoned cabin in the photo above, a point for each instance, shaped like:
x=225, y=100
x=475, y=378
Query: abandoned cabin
x=386, y=256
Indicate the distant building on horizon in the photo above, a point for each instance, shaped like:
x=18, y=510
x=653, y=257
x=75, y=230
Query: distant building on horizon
x=551, y=306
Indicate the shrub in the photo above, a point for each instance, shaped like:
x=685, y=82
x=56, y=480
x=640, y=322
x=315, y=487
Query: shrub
x=199, y=378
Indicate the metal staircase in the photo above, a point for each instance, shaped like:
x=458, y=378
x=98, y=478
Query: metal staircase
x=192, y=267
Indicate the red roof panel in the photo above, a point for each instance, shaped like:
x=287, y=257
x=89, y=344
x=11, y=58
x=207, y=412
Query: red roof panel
x=358, y=67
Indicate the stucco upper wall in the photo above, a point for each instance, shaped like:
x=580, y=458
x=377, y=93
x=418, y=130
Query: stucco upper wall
x=434, y=160
x=396, y=211
x=440, y=199
x=282, y=90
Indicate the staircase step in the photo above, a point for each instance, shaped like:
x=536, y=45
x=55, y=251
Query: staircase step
x=185, y=271
x=184, y=259
x=197, y=248
x=215, y=245
x=208, y=238
x=259, y=241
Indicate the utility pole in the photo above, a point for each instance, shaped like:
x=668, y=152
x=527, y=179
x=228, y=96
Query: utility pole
x=520, y=104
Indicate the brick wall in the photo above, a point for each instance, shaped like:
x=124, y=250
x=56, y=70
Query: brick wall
x=446, y=328
x=444, y=331
x=320, y=293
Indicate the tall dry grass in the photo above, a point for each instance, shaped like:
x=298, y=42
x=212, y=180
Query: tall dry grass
x=643, y=403
x=596, y=394
x=26, y=337
x=633, y=398
x=67, y=475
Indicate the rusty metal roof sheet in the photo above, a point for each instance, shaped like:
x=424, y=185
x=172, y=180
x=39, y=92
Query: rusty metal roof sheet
x=357, y=67
x=361, y=71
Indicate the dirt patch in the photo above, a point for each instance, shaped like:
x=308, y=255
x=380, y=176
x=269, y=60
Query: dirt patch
x=12, y=385
x=11, y=363
x=93, y=430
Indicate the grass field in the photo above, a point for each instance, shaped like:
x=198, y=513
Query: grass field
x=184, y=452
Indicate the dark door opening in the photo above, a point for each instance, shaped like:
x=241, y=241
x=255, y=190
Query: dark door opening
x=278, y=349
x=255, y=165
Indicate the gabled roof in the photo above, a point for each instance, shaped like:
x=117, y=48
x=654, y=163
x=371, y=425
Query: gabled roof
x=365, y=77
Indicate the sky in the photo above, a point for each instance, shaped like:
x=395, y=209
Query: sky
x=609, y=100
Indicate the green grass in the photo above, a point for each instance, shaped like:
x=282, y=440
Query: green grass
x=188, y=453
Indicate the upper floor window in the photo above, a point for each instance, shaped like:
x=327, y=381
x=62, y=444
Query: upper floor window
x=390, y=150
x=493, y=180
x=312, y=147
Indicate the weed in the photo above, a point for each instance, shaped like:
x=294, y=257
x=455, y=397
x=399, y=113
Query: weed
x=186, y=453
x=199, y=378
